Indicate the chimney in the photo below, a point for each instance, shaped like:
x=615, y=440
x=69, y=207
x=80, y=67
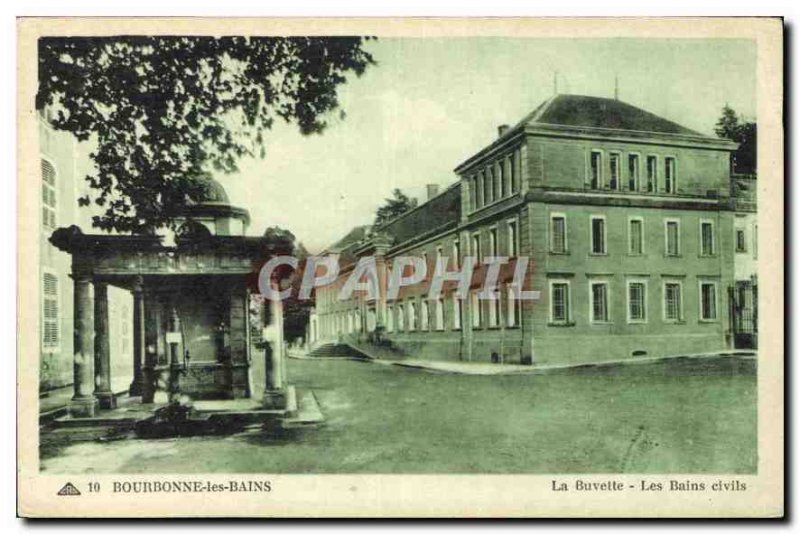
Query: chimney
x=503, y=128
x=433, y=190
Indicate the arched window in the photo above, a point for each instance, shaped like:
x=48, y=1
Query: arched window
x=48, y=194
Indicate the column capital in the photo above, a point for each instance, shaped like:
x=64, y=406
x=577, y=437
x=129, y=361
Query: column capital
x=138, y=284
x=81, y=276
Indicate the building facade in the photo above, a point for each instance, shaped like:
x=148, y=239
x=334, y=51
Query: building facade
x=627, y=222
x=743, y=296
x=61, y=187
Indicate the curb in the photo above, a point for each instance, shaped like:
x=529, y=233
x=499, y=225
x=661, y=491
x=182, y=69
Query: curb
x=543, y=369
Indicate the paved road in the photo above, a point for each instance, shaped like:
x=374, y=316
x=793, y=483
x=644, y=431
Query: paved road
x=674, y=416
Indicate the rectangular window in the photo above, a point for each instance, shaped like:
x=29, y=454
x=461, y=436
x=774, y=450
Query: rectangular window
x=50, y=315
x=613, y=165
x=438, y=308
x=48, y=194
x=599, y=302
x=476, y=248
x=708, y=301
x=512, y=231
x=559, y=302
x=508, y=162
x=493, y=242
x=558, y=234
x=514, y=172
x=424, y=314
x=672, y=301
x=596, y=170
x=598, y=235
x=707, y=245
x=390, y=319
x=513, y=312
x=488, y=187
x=501, y=179
x=633, y=172
x=741, y=243
x=479, y=190
x=457, y=254
x=652, y=174
x=438, y=257
x=412, y=316
x=473, y=186
x=635, y=236
x=637, y=302
x=477, y=311
x=670, y=177
x=494, y=309
x=456, y=312
x=672, y=244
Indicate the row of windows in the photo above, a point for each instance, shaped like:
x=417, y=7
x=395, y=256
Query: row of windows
x=636, y=235
x=492, y=240
x=605, y=171
x=496, y=181
x=511, y=229
x=636, y=301
x=425, y=315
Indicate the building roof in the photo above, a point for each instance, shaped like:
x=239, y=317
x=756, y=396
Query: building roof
x=440, y=211
x=607, y=113
x=602, y=116
x=212, y=192
x=354, y=236
x=437, y=214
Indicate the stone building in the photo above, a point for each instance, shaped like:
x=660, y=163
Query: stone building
x=62, y=184
x=743, y=295
x=628, y=224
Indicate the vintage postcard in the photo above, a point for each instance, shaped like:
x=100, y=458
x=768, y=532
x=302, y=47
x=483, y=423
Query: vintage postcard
x=400, y=267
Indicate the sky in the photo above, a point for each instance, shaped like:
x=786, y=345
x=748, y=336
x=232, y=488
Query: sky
x=429, y=104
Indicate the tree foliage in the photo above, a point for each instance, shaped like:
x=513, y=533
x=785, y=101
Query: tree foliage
x=732, y=126
x=165, y=109
x=395, y=206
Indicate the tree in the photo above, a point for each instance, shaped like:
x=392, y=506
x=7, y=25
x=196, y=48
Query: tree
x=164, y=110
x=397, y=205
x=731, y=126
x=728, y=124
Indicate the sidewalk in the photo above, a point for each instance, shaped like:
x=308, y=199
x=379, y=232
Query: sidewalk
x=56, y=400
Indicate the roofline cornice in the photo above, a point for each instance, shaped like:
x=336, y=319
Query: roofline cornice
x=577, y=132
x=510, y=137
x=635, y=136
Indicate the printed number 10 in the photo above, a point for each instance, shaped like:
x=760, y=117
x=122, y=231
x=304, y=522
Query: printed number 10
x=94, y=487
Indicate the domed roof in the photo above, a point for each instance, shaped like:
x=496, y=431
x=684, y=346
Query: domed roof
x=212, y=192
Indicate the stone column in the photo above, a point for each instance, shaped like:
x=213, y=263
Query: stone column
x=102, y=349
x=275, y=390
x=173, y=382
x=137, y=383
x=150, y=334
x=83, y=403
